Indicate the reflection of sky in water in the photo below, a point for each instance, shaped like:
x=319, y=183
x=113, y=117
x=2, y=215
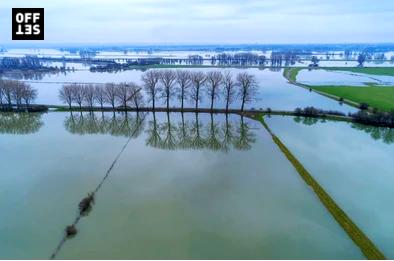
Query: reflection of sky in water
x=180, y=203
x=323, y=77
x=274, y=91
x=354, y=163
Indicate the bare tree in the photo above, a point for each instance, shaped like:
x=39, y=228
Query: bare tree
x=66, y=95
x=17, y=92
x=198, y=80
x=247, y=88
x=29, y=94
x=167, y=79
x=89, y=95
x=137, y=97
x=123, y=92
x=1, y=92
x=150, y=81
x=214, y=79
x=183, y=80
x=77, y=94
x=229, y=88
x=110, y=94
x=8, y=86
x=99, y=95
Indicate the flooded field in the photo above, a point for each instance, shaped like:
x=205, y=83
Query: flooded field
x=332, y=78
x=197, y=186
x=274, y=90
x=354, y=164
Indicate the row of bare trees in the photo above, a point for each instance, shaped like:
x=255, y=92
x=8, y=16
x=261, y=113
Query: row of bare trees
x=113, y=94
x=163, y=85
x=191, y=85
x=17, y=93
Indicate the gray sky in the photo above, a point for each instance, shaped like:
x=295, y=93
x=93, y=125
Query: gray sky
x=209, y=21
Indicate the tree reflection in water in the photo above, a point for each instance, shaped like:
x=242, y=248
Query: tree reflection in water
x=20, y=123
x=171, y=132
x=377, y=133
x=121, y=124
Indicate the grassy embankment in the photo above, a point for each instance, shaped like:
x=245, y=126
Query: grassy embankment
x=381, y=98
x=366, y=246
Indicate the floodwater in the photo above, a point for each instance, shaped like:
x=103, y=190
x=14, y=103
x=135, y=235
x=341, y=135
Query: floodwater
x=198, y=186
x=354, y=163
x=274, y=91
x=323, y=77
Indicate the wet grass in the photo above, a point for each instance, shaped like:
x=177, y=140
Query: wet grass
x=377, y=97
x=291, y=73
x=367, y=247
x=381, y=98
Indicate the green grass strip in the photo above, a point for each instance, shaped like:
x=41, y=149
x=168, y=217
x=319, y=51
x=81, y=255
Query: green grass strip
x=381, y=98
x=367, y=247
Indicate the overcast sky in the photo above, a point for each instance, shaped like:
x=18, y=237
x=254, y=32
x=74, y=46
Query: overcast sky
x=209, y=21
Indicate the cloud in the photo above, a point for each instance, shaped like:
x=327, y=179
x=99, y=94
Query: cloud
x=210, y=21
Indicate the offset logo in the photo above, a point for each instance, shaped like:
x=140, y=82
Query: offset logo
x=27, y=23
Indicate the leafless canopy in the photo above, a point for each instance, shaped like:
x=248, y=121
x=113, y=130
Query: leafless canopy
x=198, y=80
x=229, y=85
x=150, y=81
x=214, y=79
x=16, y=92
x=167, y=80
x=247, y=88
x=183, y=80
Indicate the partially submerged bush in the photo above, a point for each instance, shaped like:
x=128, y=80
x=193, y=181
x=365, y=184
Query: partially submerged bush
x=314, y=112
x=86, y=203
x=71, y=231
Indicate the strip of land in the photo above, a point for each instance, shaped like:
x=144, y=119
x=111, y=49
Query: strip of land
x=380, y=98
x=366, y=246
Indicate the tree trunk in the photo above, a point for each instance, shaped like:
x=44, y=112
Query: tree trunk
x=197, y=98
x=212, y=99
x=227, y=101
x=168, y=99
x=182, y=97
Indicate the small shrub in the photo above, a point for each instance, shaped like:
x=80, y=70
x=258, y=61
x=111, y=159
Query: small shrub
x=86, y=203
x=71, y=231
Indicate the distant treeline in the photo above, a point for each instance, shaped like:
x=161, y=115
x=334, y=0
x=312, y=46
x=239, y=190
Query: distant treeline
x=26, y=63
x=164, y=85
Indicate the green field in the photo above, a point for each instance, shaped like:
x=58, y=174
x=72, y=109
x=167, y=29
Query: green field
x=381, y=98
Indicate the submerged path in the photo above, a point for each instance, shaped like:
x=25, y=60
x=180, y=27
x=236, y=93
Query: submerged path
x=107, y=173
x=367, y=247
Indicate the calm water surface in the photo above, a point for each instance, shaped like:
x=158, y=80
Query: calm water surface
x=354, y=163
x=274, y=90
x=197, y=186
x=323, y=77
